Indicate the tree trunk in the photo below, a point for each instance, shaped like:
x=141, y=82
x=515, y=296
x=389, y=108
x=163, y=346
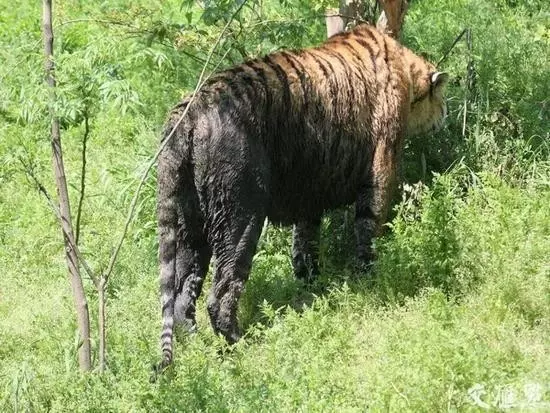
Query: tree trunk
x=334, y=22
x=338, y=20
x=79, y=296
x=102, y=325
x=391, y=19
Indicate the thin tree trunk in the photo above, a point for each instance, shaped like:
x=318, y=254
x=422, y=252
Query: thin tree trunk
x=353, y=10
x=102, y=325
x=79, y=296
x=390, y=20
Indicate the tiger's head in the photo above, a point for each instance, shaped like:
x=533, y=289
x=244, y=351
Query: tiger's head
x=428, y=105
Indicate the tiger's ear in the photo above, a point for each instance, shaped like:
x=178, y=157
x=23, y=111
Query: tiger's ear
x=439, y=79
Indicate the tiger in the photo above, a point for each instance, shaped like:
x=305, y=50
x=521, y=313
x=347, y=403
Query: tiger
x=285, y=137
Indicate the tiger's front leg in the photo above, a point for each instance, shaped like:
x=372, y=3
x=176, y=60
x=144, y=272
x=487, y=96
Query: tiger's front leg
x=374, y=201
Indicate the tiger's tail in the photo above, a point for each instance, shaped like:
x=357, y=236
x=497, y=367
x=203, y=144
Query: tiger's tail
x=170, y=165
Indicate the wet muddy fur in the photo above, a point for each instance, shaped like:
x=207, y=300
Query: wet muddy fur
x=284, y=137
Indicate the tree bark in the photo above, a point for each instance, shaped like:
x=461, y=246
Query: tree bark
x=390, y=20
x=334, y=22
x=82, y=175
x=79, y=296
x=102, y=324
x=392, y=17
x=338, y=20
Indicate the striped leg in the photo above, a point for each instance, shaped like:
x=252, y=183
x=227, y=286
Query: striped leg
x=305, y=250
x=192, y=259
x=234, y=255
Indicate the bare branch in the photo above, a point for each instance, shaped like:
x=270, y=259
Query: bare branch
x=99, y=21
x=457, y=39
x=82, y=176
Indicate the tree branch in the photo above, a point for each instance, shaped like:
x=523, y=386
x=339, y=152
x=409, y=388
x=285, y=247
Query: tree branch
x=100, y=21
x=82, y=176
x=153, y=160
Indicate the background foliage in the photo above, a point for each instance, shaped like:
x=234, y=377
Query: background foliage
x=458, y=314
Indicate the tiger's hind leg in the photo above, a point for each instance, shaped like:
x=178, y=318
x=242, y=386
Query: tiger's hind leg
x=305, y=250
x=192, y=259
x=234, y=253
x=236, y=216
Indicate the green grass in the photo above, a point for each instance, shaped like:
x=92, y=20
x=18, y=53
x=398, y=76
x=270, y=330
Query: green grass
x=461, y=301
x=354, y=347
x=457, y=316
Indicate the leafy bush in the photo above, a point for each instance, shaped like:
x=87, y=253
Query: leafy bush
x=457, y=315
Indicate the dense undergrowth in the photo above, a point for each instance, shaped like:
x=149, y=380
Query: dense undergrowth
x=457, y=314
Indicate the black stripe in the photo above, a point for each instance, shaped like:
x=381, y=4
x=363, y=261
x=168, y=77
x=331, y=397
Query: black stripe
x=166, y=253
x=349, y=76
x=182, y=105
x=371, y=36
x=235, y=90
x=240, y=77
x=283, y=79
x=300, y=70
x=375, y=40
x=386, y=56
x=331, y=67
x=386, y=59
x=168, y=304
x=260, y=72
x=368, y=46
x=341, y=59
x=166, y=335
x=248, y=81
x=352, y=50
x=225, y=78
x=328, y=74
x=357, y=56
x=244, y=78
x=236, y=70
x=233, y=86
x=262, y=78
x=419, y=98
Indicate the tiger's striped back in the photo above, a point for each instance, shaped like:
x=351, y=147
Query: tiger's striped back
x=348, y=77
